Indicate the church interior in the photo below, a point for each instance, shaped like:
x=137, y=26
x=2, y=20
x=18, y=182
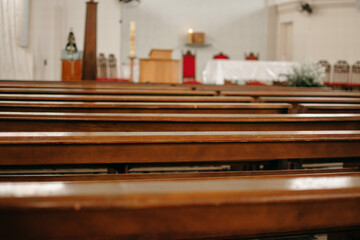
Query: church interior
x=180, y=119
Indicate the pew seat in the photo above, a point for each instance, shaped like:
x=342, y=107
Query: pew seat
x=329, y=108
x=147, y=122
x=296, y=101
x=143, y=107
x=15, y=176
x=115, y=98
x=99, y=91
x=257, y=94
x=146, y=148
x=241, y=208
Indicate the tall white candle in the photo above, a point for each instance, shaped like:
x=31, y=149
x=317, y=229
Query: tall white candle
x=132, y=39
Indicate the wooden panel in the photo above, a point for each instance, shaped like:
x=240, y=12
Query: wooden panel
x=160, y=54
x=159, y=71
x=105, y=148
x=71, y=70
x=117, y=85
x=139, y=107
x=93, y=122
x=165, y=92
x=292, y=93
x=89, y=59
x=111, y=98
x=309, y=100
x=329, y=108
x=176, y=175
x=197, y=209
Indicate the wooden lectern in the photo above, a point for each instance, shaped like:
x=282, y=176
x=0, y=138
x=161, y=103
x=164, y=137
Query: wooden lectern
x=159, y=68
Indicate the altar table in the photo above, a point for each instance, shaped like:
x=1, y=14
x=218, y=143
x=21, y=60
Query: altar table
x=237, y=71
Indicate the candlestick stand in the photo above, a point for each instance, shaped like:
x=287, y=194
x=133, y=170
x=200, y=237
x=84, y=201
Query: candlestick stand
x=132, y=60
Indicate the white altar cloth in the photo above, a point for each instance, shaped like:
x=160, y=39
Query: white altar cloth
x=237, y=71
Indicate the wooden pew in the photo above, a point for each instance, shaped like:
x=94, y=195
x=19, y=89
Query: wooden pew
x=139, y=148
x=12, y=177
x=145, y=91
x=240, y=208
x=91, y=85
x=295, y=101
x=257, y=94
x=143, y=107
x=329, y=108
x=123, y=122
x=124, y=85
x=112, y=98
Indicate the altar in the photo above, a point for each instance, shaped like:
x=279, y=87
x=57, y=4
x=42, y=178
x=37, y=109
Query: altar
x=239, y=72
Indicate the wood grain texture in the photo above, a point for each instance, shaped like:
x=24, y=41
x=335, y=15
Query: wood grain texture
x=195, y=209
x=174, y=147
x=113, y=98
x=123, y=122
x=292, y=93
x=329, y=108
x=143, y=107
x=176, y=176
x=309, y=99
x=90, y=58
x=121, y=85
x=166, y=92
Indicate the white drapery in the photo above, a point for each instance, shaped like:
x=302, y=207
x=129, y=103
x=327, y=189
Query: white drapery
x=15, y=61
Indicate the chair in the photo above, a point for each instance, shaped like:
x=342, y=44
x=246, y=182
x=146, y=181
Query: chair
x=189, y=68
x=355, y=75
x=327, y=67
x=252, y=57
x=341, y=74
x=221, y=56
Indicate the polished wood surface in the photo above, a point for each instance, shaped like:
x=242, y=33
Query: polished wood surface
x=143, y=107
x=296, y=101
x=159, y=71
x=174, y=175
x=89, y=70
x=309, y=99
x=48, y=148
x=117, y=85
x=329, y=108
x=165, y=92
x=90, y=85
x=291, y=93
x=126, y=98
x=182, y=209
x=135, y=122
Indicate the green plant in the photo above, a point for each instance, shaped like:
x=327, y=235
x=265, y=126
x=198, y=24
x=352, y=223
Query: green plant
x=306, y=75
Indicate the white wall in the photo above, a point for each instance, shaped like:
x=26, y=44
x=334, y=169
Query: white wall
x=231, y=26
x=51, y=21
x=332, y=32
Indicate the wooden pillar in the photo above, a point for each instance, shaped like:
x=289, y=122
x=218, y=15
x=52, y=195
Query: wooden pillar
x=89, y=59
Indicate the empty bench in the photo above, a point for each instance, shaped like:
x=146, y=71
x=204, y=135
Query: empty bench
x=149, y=122
x=127, y=98
x=97, y=91
x=143, y=107
x=295, y=101
x=139, y=148
x=263, y=206
x=329, y=108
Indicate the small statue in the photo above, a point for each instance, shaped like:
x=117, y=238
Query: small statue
x=71, y=45
x=102, y=66
x=112, y=66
